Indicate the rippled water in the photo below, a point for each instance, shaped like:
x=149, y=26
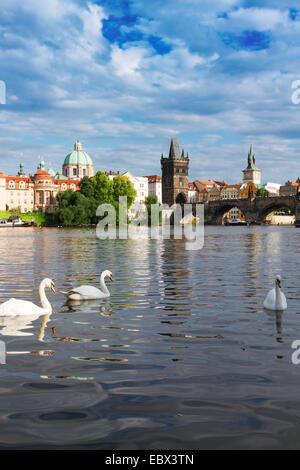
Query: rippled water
x=181, y=356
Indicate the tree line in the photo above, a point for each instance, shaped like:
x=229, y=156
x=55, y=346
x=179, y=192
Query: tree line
x=79, y=207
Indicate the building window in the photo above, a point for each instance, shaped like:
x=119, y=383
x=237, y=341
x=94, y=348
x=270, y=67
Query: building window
x=40, y=197
x=63, y=187
x=72, y=187
x=11, y=185
x=21, y=185
x=84, y=172
x=74, y=171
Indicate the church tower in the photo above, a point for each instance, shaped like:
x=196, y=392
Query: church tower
x=251, y=173
x=175, y=175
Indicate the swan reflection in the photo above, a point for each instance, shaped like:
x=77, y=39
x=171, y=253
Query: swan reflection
x=276, y=316
x=15, y=326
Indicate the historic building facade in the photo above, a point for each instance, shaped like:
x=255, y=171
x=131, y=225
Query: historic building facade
x=175, y=175
x=38, y=192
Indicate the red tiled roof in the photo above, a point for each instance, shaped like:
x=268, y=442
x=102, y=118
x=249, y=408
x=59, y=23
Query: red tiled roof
x=236, y=186
x=42, y=174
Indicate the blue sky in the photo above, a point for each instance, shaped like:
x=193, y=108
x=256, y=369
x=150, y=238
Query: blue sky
x=124, y=77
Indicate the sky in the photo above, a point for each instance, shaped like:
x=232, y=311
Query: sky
x=125, y=76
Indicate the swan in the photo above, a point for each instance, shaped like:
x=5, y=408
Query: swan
x=90, y=292
x=15, y=307
x=275, y=299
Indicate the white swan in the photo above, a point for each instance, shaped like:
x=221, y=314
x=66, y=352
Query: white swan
x=276, y=299
x=90, y=292
x=14, y=307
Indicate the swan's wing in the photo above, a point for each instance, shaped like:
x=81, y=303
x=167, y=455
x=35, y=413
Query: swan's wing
x=270, y=300
x=20, y=307
x=283, y=301
x=85, y=292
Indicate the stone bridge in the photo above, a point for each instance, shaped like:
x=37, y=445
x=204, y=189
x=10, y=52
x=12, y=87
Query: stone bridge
x=255, y=210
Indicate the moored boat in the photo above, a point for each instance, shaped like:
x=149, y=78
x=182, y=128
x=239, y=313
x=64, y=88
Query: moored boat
x=13, y=222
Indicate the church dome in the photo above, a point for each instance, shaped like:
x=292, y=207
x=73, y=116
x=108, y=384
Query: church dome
x=78, y=156
x=41, y=175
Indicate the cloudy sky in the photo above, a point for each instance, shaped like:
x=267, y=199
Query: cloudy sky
x=123, y=77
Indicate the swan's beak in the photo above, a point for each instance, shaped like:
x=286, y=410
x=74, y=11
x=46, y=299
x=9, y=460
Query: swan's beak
x=279, y=283
x=111, y=278
x=52, y=288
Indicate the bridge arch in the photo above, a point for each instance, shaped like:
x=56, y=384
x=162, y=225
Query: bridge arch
x=274, y=204
x=222, y=209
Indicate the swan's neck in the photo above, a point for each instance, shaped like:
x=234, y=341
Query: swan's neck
x=44, y=301
x=103, y=285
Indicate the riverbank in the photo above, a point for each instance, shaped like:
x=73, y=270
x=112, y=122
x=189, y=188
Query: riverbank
x=37, y=217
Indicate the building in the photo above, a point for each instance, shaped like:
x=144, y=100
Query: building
x=272, y=188
x=248, y=190
x=251, y=173
x=175, y=175
x=140, y=184
x=289, y=189
x=78, y=164
x=193, y=194
x=230, y=191
x=155, y=186
x=45, y=189
x=38, y=192
x=204, y=184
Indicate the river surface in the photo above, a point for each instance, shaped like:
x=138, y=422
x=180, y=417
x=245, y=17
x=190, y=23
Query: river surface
x=181, y=356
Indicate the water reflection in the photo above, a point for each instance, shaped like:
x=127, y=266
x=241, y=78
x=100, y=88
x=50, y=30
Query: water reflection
x=15, y=326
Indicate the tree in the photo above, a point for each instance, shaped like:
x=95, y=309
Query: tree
x=262, y=192
x=79, y=207
x=149, y=201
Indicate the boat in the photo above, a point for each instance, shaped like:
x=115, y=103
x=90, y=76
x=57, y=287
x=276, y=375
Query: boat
x=235, y=222
x=297, y=223
x=14, y=222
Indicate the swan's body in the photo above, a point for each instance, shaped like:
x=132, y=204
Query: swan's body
x=276, y=299
x=90, y=292
x=17, y=307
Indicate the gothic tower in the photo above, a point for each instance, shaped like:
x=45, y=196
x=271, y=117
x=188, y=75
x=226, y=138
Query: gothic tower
x=175, y=175
x=251, y=173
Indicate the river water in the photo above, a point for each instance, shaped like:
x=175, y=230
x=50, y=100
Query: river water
x=181, y=356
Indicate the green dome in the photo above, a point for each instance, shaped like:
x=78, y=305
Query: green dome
x=78, y=157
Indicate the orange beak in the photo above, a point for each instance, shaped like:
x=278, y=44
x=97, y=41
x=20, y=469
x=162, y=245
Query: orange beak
x=52, y=288
x=111, y=278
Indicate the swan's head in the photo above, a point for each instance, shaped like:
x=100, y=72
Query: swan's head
x=108, y=274
x=278, y=281
x=49, y=283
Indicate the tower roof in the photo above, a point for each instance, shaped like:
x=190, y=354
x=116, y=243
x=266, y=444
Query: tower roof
x=251, y=160
x=174, y=153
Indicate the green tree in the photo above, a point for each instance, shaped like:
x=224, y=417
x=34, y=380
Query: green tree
x=122, y=186
x=262, y=192
x=149, y=201
x=79, y=207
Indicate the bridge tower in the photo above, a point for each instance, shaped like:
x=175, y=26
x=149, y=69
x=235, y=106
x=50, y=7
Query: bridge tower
x=175, y=175
x=251, y=173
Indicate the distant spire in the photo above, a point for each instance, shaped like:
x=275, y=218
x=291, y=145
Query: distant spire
x=174, y=153
x=182, y=154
